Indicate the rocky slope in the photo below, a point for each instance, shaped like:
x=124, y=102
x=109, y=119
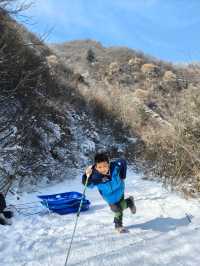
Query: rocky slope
x=47, y=128
x=157, y=101
x=62, y=102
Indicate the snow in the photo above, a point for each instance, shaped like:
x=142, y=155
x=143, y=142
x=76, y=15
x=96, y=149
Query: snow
x=87, y=146
x=160, y=233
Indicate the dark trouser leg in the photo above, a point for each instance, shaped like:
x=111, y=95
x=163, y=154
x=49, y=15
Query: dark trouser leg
x=118, y=208
x=4, y=215
x=118, y=214
x=2, y=202
x=2, y=219
x=127, y=203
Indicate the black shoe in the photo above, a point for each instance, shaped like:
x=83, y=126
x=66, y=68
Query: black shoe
x=131, y=204
x=121, y=229
x=4, y=220
x=8, y=214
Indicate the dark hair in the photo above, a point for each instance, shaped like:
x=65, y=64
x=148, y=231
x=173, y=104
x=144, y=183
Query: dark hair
x=101, y=157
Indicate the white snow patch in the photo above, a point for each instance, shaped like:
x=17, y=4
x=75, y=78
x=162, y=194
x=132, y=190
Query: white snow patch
x=55, y=129
x=160, y=232
x=87, y=146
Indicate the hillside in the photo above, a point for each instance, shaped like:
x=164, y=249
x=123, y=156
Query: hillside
x=47, y=129
x=157, y=101
x=62, y=102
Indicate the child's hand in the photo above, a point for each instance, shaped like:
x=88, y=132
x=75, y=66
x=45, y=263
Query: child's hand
x=88, y=171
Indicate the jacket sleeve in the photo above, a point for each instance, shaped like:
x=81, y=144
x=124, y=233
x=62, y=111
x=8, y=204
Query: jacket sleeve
x=123, y=168
x=93, y=180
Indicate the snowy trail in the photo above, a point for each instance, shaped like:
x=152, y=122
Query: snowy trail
x=160, y=232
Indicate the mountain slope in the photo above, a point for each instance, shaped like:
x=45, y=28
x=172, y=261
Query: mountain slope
x=147, y=109
x=47, y=129
x=158, y=101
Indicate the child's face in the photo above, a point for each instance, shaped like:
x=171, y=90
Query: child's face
x=102, y=167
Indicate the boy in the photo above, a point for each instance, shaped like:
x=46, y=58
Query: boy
x=5, y=214
x=109, y=177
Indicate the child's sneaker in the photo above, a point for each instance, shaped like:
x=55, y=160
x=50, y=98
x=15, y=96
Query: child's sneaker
x=4, y=220
x=131, y=204
x=121, y=230
x=8, y=213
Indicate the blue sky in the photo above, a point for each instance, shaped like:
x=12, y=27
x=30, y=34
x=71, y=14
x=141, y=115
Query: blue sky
x=167, y=29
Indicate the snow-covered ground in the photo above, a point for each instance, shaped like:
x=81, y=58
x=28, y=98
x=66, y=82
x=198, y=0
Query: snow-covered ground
x=160, y=233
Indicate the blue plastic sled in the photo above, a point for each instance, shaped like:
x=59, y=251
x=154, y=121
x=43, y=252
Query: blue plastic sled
x=64, y=203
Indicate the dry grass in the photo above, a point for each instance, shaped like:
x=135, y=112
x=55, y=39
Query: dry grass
x=162, y=108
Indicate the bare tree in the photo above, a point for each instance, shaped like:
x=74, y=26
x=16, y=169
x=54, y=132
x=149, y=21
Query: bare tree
x=13, y=78
x=14, y=7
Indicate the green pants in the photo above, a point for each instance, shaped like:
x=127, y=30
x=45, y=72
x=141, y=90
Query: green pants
x=118, y=209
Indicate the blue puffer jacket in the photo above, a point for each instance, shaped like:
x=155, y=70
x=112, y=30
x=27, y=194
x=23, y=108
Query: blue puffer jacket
x=113, y=188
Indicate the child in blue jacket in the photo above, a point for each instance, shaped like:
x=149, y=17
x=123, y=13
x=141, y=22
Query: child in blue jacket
x=109, y=177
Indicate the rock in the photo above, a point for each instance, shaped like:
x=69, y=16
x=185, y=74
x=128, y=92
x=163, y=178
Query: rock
x=52, y=60
x=113, y=68
x=169, y=76
x=142, y=95
x=150, y=70
x=135, y=63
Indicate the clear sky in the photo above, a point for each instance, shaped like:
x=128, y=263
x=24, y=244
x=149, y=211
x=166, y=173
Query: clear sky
x=167, y=29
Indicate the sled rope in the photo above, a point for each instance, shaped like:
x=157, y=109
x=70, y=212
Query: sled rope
x=76, y=222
